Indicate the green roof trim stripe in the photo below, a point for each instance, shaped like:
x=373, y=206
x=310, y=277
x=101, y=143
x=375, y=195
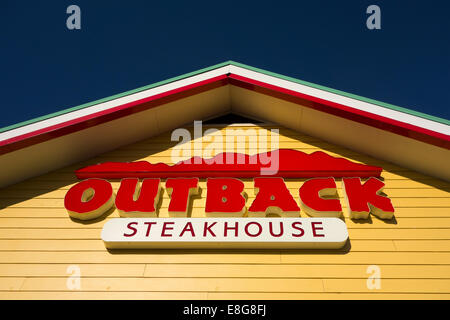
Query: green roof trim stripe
x=119, y=95
x=346, y=94
x=223, y=64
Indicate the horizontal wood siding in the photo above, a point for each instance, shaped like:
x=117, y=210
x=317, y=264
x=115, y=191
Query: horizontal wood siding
x=39, y=242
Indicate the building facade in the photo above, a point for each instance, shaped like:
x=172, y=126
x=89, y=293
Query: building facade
x=47, y=254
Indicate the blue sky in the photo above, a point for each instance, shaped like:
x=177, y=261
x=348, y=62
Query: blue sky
x=123, y=45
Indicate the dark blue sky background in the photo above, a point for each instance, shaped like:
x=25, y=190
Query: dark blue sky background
x=127, y=44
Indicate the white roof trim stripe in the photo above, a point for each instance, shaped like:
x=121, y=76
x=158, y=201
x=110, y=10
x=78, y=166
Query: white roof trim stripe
x=112, y=103
x=286, y=84
x=357, y=104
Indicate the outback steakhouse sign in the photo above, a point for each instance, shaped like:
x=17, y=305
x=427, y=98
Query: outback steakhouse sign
x=230, y=221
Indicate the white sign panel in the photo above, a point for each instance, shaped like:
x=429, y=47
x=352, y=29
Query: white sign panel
x=279, y=233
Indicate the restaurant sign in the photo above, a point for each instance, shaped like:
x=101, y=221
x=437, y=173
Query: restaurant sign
x=228, y=222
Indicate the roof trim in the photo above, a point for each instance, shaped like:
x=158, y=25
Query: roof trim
x=345, y=94
x=346, y=111
x=69, y=125
x=375, y=110
x=220, y=65
x=113, y=97
x=328, y=100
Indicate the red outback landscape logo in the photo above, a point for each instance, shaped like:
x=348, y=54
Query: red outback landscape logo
x=229, y=223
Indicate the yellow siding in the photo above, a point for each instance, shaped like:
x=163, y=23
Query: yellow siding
x=38, y=242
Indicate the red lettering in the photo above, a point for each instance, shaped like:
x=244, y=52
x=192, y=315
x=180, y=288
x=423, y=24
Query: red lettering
x=208, y=229
x=294, y=226
x=165, y=227
x=314, y=229
x=365, y=198
x=281, y=230
x=224, y=196
x=235, y=228
x=179, y=191
x=149, y=225
x=190, y=229
x=89, y=199
x=132, y=201
x=130, y=226
x=272, y=197
x=311, y=193
x=253, y=235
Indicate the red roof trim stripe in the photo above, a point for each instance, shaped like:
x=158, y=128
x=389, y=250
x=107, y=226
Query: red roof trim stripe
x=64, y=128
x=97, y=118
x=380, y=122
